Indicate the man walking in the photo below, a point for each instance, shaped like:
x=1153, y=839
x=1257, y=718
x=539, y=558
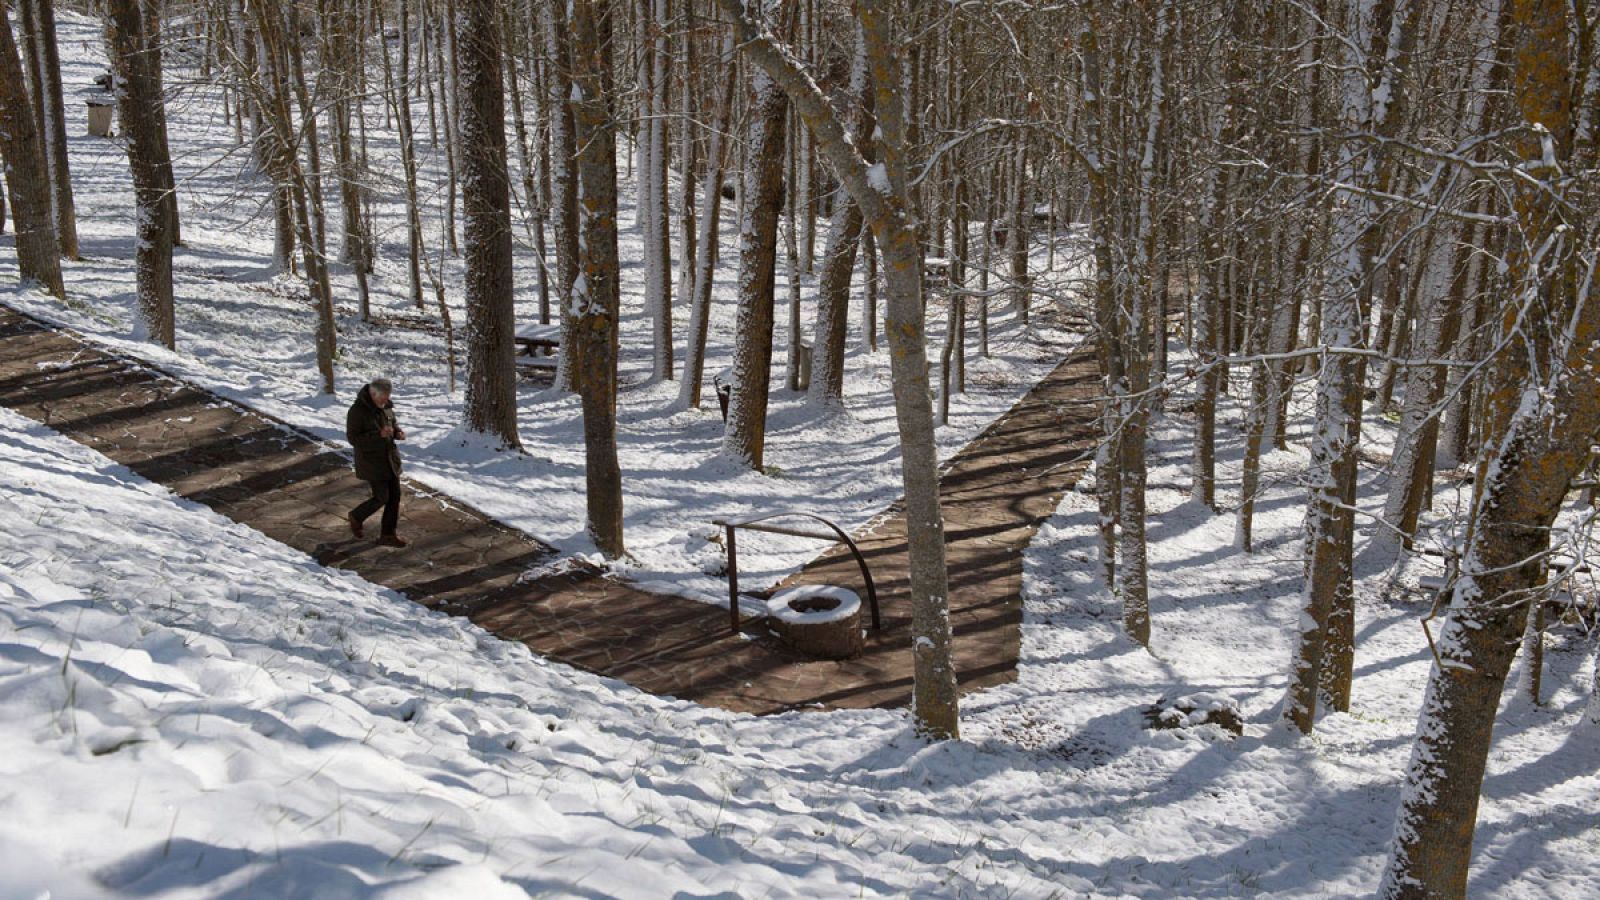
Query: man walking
x=372, y=430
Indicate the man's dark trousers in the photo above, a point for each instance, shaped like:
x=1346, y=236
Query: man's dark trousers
x=386, y=494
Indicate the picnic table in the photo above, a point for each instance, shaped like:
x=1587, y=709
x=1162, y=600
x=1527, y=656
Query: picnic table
x=532, y=338
x=536, y=346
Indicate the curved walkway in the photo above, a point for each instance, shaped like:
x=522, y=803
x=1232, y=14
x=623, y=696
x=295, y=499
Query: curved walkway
x=295, y=489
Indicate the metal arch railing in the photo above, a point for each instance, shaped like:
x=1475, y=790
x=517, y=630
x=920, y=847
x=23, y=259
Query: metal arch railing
x=758, y=523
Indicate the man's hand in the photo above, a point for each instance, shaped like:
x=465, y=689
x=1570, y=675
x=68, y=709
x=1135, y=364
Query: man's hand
x=386, y=431
x=399, y=434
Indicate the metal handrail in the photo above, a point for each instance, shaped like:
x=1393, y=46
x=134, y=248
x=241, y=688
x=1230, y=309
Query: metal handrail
x=756, y=523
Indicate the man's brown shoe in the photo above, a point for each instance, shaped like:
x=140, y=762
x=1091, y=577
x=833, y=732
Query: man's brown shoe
x=391, y=540
x=355, y=525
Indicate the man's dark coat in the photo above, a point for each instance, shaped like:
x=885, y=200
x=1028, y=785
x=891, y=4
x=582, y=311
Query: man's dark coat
x=377, y=457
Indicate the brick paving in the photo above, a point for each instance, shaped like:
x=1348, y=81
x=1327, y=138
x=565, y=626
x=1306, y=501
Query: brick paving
x=296, y=490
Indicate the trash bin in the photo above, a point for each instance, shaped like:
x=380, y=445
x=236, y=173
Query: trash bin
x=803, y=356
x=99, y=116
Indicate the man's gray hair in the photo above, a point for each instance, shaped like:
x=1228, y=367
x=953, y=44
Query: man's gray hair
x=382, y=384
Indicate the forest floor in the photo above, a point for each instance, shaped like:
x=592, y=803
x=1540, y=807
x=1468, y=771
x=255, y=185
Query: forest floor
x=193, y=709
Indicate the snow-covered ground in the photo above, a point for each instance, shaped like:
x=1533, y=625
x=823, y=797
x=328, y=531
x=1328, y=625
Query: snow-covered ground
x=191, y=709
x=248, y=335
x=194, y=710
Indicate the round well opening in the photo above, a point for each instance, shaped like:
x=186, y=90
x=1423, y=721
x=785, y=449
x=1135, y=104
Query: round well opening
x=814, y=604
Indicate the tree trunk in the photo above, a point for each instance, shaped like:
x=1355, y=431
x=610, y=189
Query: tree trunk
x=1329, y=522
x=1547, y=445
x=657, y=234
x=706, y=247
x=408, y=158
x=310, y=183
x=490, y=406
x=595, y=297
x=533, y=212
x=1450, y=276
x=347, y=83
x=1021, y=296
x=449, y=62
x=1132, y=568
x=959, y=228
x=839, y=259
x=1208, y=343
x=805, y=170
x=986, y=260
x=869, y=301
x=688, y=154
x=39, y=18
x=1255, y=431
x=134, y=49
x=563, y=187
x=791, y=244
x=1411, y=477
x=1107, y=461
x=27, y=178
x=1455, y=446
x=746, y=435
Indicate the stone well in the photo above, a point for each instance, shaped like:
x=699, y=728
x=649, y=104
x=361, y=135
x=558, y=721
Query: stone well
x=818, y=620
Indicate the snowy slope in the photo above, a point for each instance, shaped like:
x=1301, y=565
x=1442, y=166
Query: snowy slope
x=193, y=710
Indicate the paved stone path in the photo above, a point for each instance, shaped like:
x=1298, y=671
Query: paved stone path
x=295, y=490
